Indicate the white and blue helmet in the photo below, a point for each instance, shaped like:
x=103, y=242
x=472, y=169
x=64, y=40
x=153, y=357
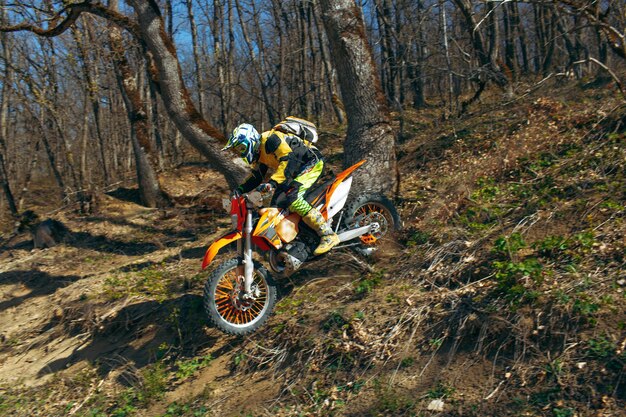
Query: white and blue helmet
x=245, y=141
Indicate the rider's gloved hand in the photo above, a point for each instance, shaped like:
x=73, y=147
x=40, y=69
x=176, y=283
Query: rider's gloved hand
x=265, y=188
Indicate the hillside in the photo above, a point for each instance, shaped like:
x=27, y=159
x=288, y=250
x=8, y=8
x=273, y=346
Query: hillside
x=503, y=295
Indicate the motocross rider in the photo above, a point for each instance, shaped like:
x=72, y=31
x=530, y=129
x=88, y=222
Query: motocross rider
x=296, y=167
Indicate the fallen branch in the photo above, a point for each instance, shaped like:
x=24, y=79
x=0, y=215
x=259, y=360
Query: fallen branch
x=494, y=391
x=607, y=69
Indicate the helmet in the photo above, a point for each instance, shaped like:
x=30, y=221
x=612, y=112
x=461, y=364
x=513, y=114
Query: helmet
x=245, y=141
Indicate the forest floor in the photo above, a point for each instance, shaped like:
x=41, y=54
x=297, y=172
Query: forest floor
x=503, y=295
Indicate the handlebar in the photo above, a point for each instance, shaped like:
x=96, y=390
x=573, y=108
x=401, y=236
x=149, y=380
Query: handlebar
x=255, y=198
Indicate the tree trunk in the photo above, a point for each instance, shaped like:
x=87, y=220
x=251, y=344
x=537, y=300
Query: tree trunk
x=280, y=61
x=257, y=65
x=303, y=72
x=415, y=64
x=443, y=22
x=388, y=64
x=570, y=46
x=510, y=58
x=4, y=110
x=149, y=188
x=169, y=14
x=369, y=133
x=329, y=72
x=196, y=56
x=51, y=157
x=93, y=86
x=154, y=121
x=29, y=175
x=521, y=35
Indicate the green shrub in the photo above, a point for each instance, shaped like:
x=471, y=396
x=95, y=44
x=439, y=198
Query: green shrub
x=551, y=246
x=153, y=383
x=563, y=412
x=487, y=191
x=442, y=390
x=366, y=284
x=334, y=321
x=510, y=271
x=418, y=238
x=508, y=246
x=189, y=367
x=601, y=348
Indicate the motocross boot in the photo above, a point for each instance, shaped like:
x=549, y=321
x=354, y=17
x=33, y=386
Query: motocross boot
x=316, y=221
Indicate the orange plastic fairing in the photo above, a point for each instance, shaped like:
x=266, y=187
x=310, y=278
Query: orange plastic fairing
x=217, y=245
x=265, y=227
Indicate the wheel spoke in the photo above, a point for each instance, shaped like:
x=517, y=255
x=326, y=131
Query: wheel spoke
x=370, y=213
x=230, y=312
x=219, y=293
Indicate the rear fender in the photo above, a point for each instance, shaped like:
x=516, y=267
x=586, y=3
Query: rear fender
x=343, y=182
x=217, y=245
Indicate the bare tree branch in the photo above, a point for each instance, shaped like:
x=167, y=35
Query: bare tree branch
x=73, y=13
x=617, y=40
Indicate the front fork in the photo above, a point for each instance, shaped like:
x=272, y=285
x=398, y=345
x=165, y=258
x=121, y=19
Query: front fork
x=244, y=248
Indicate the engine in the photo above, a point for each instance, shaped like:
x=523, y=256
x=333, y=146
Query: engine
x=290, y=258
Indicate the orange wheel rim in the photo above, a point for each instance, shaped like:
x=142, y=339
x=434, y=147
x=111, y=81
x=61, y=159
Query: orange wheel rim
x=229, y=301
x=372, y=213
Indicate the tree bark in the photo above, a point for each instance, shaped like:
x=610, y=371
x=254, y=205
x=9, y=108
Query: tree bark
x=147, y=180
x=415, y=63
x=196, y=55
x=443, y=21
x=92, y=89
x=154, y=122
x=329, y=72
x=369, y=134
x=257, y=65
x=520, y=32
x=4, y=110
x=29, y=175
x=388, y=66
x=510, y=55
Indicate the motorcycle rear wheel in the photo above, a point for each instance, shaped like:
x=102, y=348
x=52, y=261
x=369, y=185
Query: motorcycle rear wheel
x=373, y=208
x=225, y=305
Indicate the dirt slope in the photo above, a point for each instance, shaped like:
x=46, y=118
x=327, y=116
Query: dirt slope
x=504, y=294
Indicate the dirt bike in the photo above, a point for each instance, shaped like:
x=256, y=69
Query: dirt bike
x=239, y=294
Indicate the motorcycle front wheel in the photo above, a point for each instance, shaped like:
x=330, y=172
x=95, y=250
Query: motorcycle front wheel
x=226, y=304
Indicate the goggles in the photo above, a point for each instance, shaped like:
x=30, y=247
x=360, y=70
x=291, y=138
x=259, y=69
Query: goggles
x=240, y=148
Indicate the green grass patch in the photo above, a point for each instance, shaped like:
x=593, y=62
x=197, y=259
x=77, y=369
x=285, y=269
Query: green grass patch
x=441, y=391
x=154, y=282
x=366, y=284
x=187, y=368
